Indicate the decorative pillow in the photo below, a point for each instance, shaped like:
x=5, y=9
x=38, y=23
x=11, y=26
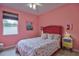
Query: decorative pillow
x=57, y=36
x=50, y=36
x=44, y=36
x=53, y=36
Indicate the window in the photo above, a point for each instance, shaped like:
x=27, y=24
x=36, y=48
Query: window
x=10, y=23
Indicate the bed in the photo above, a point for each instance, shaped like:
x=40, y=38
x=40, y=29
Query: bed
x=38, y=46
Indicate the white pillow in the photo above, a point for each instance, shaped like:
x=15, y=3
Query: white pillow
x=50, y=36
x=57, y=36
x=54, y=36
x=44, y=36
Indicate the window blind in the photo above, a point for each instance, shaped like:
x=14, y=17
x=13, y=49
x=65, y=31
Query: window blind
x=9, y=15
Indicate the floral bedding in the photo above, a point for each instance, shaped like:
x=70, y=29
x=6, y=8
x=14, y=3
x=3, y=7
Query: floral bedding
x=38, y=46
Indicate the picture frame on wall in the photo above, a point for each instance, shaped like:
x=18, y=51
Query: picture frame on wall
x=29, y=26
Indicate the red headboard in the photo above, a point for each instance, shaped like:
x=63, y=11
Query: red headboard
x=53, y=29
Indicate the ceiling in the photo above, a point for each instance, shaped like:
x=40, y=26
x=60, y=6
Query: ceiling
x=40, y=10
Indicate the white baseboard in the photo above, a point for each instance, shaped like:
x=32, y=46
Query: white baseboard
x=75, y=50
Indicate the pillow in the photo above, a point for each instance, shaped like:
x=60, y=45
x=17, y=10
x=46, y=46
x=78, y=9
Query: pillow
x=53, y=36
x=44, y=36
x=57, y=36
x=50, y=36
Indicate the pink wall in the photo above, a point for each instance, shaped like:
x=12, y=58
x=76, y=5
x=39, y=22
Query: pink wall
x=23, y=33
x=67, y=14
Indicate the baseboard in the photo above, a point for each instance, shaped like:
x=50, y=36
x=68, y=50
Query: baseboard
x=75, y=50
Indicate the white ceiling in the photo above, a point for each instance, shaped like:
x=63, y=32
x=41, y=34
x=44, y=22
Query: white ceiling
x=40, y=10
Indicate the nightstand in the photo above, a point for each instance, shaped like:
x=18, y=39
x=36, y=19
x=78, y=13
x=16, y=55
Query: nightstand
x=67, y=43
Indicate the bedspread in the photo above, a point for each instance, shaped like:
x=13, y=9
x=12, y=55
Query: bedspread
x=37, y=47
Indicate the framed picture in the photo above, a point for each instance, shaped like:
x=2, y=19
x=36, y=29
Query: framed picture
x=29, y=26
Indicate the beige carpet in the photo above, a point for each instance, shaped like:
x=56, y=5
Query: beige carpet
x=11, y=52
x=66, y=53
